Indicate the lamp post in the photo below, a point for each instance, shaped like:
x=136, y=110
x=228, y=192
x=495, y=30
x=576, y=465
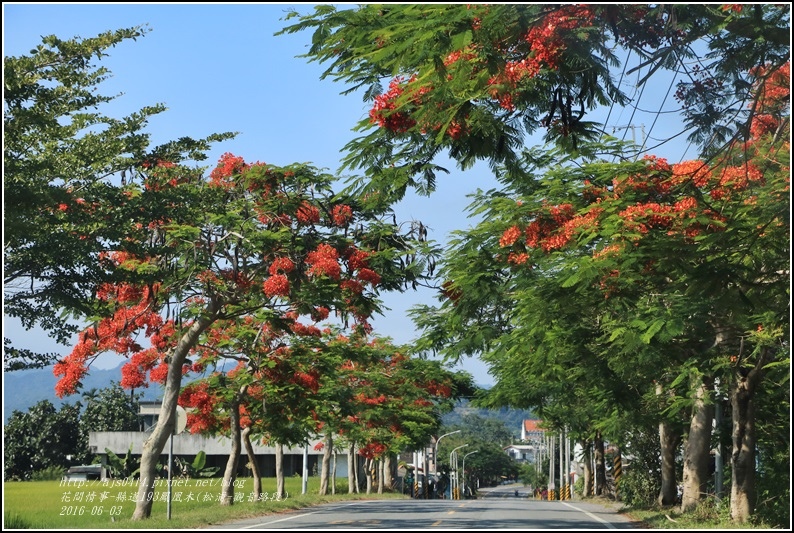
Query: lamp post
x=464, y=470
x=454, y=482
x=435, y=450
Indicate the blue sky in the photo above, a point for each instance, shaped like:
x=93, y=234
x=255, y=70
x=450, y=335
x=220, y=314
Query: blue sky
x=218, y=67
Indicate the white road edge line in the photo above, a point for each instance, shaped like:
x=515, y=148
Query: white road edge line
x=262, y=524
x=591, y=515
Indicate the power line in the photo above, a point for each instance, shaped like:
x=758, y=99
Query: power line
x=656, y=118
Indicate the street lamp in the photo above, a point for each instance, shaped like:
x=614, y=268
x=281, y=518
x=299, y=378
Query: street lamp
x=452, y=482
x=464, y=470
x=435, y=451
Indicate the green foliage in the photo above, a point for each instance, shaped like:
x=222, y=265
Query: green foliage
x=42, y=438
x=50, y=473
x=531, y=475
x=62, y=165
x=196, y=468
x=774, y=457
x=110, y=409
x=710, y=510
x=638, y=487
x=465, y=90
x=486, y=436
x=489, y=429
x=128, y=467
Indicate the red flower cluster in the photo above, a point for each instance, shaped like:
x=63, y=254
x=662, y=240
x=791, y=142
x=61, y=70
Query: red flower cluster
x=307, y=380
x=277, y=285
x=320, y=313
x=383, y=114
x=366, y=400
x=133, y=373
x=510, y=236
x=307, y=214
x=696, y=171
x=357, y=259
x=324, y=261
x=281, y=265
x=372, y=450
x=228, y=166
x=439, y=389
x=341, y=215
x=449, y=290
x=546, y=44
x=202, y=418
x=369, y=276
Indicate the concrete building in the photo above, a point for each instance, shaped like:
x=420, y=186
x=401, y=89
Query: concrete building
x=186, y=446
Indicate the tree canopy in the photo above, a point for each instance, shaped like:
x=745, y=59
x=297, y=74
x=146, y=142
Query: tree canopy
x=64, y=167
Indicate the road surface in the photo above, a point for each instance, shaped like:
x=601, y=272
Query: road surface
x=497, y=508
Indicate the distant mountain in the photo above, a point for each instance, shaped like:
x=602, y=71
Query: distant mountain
x=22, y=389
x=512, y=418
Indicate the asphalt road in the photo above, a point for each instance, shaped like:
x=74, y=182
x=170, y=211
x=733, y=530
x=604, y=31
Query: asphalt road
x=495, y=509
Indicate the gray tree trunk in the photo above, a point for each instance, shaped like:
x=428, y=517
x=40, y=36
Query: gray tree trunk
x=230, y=474
x=388, y=474
x=280, y=494
x=743, y=482
x=254, y=465
x=600, y=466
x=328, y=449
x=587, y=457
x=381, y=475
x=351, y=469
x=697, y=448
x=669, y=440
x=333, y=476
x=369, y=465
x=153, y=446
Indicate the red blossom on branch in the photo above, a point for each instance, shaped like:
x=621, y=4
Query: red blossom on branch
x=341, y=215
x=324, y=261
x=277, y=285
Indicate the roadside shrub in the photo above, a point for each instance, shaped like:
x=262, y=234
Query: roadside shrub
x=51, y=473
x=638, y=489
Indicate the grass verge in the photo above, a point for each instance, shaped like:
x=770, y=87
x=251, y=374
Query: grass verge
x=194, y=504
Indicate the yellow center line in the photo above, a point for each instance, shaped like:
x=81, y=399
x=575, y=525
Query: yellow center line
x=436, y=523
x=450, y=512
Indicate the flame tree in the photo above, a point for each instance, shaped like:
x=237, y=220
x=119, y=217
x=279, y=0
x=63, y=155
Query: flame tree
x=677, y=271
x=473, y=80
x=248, y=240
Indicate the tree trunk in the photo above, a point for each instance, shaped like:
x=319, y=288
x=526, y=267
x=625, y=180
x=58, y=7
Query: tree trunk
x=333, y=476
x=381, y=475
x=153, y=446
x=743, y=487
x=587, y=456
x=351, y=469
x=254, y=465
x=230, y=474
x=328, y=449
x=368, y=467
x=359, y=471
x=280, y=494
x=600, y=466
x=388, y=476
x=669, y=439
x=697, y=448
